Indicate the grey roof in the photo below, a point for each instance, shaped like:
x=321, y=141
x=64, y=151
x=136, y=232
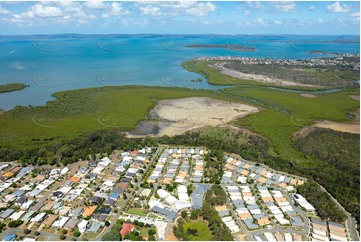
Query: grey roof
x=6, y=213
x=170, y=214
x=197, y=197
x=254, y=206
x=95, y=226
x=99, y=217
x=259, y=216
x=21, y=200
x=110, y=202
x=70, y=197
x=249, y=223
x=226, y=179
x=287, y=180
x=95, y=199
x=76, y=212
x=223, y=213
x=72, y=222
x=296, y=221
x=37, y=206
x=18, y=193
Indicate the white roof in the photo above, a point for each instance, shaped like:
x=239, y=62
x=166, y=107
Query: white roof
x=182, y=188
x=82, y=226
x=16, y=215
x=64, y=170
x=38, y=217
x=163, y=193
x=183, y=196
x=65, y=189
x=60, y=222
x=171, y=200
x=146, y=192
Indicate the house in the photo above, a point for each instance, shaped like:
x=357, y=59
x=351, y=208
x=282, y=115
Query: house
x=76, y=212
x=82, y=226
x=72, y=222
x=99, y=217
x=197, y=197
x=50, y=219
x=88, y=211
x=126, y=229
x=95, y=226
x=9, y=237
x=110, y=202
x=96, y=200
x=38, y=218
x=168, y=213
x=104, y=210
x=20, y=201
x=6, y=213
x=60, y=222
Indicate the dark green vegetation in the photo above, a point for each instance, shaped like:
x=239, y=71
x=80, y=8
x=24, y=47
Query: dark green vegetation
x=328, y=76
x=326, y=209
x=79, y=111
x=12, y=87
x=229, y=46
x=340, y=151
x=197, y=229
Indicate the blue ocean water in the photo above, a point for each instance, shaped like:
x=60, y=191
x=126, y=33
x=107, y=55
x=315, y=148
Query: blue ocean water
x=56, y=63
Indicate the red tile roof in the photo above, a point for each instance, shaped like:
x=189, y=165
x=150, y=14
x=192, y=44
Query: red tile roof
x=126, y=229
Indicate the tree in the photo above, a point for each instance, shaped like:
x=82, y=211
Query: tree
x=15, y=223
x=62, y=237
x=194, y=214
x=152, y=232
x=63, y=231
x=27, y=231
x=184, y=214
x=107, y=223
x=76, y=233
x=36, y=233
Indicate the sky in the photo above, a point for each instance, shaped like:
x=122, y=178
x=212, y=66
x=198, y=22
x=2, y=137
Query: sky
x=181, y=17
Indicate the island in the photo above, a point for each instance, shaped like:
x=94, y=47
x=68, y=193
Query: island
x=228, y=46
x=11, y=87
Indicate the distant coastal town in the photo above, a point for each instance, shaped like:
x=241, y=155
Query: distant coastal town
x=339, y=59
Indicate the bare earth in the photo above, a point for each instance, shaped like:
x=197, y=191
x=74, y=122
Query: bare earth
x=351, y=127
x=308, y=95
x=181, y=115
x=255, y=77
x=355, y=97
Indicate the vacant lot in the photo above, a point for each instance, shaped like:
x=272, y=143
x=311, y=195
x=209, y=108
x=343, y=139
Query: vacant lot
x=197, y=231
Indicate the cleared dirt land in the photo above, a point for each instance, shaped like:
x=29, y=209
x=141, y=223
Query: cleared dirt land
x=177, y=116
x=255, y=77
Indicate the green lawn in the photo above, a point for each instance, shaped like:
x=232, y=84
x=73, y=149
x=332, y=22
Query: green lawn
x=197, y=231
x=138, y=211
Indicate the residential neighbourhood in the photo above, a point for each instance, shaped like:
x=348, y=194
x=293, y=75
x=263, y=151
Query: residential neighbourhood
x=148, y=189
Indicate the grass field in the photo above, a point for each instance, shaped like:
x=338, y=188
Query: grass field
x=79, y=111
x=197, y=231
x=287, y=112
x=138, y=211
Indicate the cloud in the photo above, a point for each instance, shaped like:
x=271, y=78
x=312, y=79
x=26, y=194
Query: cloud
x=201, y=9
x=338, y=8
x=115, y=9
x=38, y=10
x=285, y=6
x=3, y=11
x=151, y=10
x=256, y=5
x=355, y=18
x=95, y=4
x=311, y=8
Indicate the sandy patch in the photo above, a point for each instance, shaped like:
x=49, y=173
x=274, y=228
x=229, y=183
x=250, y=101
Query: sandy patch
x=343, y=127
x=180, y=115
x=169, y=236
x=355, y=97
x=255, y=77
x=307, y=95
